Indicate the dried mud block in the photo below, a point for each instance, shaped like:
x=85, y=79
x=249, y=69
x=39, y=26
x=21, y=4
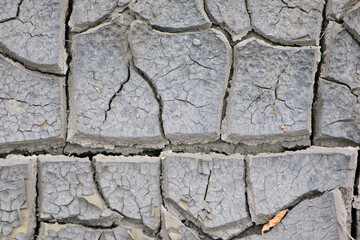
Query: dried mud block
x=112, y=105
x=17, y=197
x=90, y=12
x=276, y=181
x=131, y=186
x=323, y=217
x=38, y=31
x=209, y=190
x=288, y=22
x=271, y=94
x=338, y=108
x=31, y=109
x=190, y=73
x=172, y=15
x=342, y=57
x=68, y=192
x=174, y=229
x=72, y=231
x=340, y=114
x=231, y=15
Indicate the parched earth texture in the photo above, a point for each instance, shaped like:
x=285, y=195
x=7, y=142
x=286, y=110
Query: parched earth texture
x=179, y=119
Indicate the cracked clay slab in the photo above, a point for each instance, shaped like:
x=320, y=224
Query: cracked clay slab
x=271, y=94
x=339, y=88
x=72, y=231
x=232, y=15
x=208, y=188
x=323, y=217
x=190, y=73
x=277, y=180
x=68, y=192
x=18, y=196
x=112, y=104
x=286, y=21
x=131, y=186
x=38, y=30
x=172, y=16
x=31, y=109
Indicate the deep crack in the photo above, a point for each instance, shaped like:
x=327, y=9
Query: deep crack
x=68, y=49
x=37, y=200
x=246, y=187
x=316, y=97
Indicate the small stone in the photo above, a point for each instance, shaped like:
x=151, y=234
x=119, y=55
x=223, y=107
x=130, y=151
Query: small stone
x=196, y=42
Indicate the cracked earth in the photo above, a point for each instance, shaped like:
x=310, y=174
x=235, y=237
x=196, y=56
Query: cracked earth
x=197, y=119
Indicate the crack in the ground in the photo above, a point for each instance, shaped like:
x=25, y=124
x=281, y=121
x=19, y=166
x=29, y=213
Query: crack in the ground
x=255, y=33
x=67, y=221
x=226, y=97
x=316, y=89
x=248, y=12
x=117, y=92
x=329, y=79
x=219, y=146
x=245, y=179
x=191, y=29
x=152, y=86
x=37, y=200
x=208, y=183
x=162, y=196
x=87, y=27
x=177, y=30
x=30, y=66
x=68, y=49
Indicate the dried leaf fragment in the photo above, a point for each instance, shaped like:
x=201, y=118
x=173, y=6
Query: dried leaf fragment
x=97, y=89
x=275, y=220
x=282, y=127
